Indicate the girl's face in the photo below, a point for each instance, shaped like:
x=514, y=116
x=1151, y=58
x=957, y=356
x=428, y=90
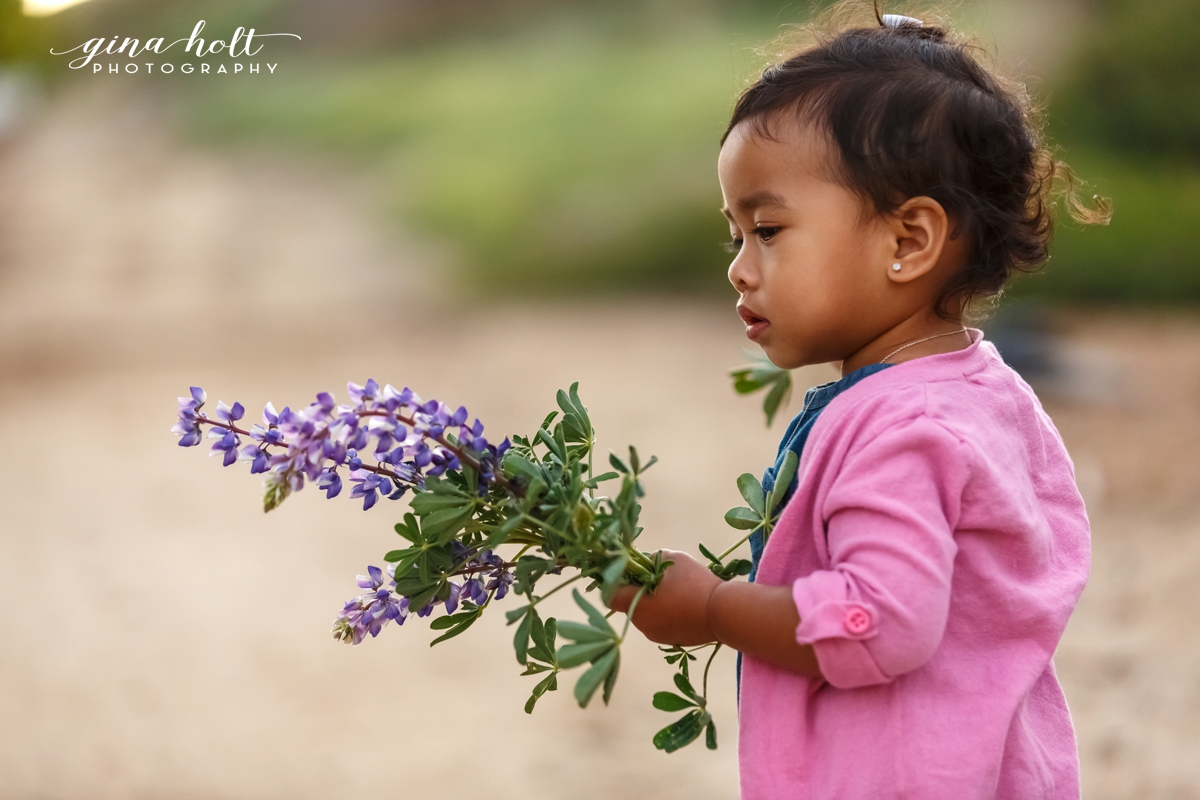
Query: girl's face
x=812, y=275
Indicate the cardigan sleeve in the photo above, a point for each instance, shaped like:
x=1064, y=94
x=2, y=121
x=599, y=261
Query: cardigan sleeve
x=880, y=609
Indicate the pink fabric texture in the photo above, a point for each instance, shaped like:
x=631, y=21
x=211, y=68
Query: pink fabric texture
x=935, y=545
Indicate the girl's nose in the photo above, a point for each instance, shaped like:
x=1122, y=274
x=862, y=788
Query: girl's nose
x=741, y=274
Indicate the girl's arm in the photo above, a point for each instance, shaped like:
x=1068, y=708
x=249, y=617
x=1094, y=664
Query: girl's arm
x=691, y=606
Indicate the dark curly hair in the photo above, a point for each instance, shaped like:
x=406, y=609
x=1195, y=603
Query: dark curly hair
x=913, y=112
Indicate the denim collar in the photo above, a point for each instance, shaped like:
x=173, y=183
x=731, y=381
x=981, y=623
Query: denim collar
x=819, y=396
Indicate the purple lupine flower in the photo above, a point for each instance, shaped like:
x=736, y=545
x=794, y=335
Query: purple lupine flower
x=405, y=434
x=369, y=486
x=258, y=456
x=331, y=482
x=499, y=583
x=228, y=445
x=369, y=613
x=452, y=600
x=474, y=591
x=188, y=427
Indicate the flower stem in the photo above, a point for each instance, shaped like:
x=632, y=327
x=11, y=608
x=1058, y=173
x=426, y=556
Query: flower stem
x=704, y=684
x=743, y=540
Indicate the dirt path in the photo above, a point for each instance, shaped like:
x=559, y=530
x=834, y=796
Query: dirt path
x=164, y=639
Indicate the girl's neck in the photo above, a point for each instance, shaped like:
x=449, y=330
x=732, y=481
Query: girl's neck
x=910, y=340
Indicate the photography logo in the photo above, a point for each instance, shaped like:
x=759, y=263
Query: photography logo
x=232, y=57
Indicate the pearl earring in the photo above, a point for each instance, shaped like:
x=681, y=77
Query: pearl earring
x=896, y=267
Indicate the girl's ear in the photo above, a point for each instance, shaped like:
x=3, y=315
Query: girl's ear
x=920, y=227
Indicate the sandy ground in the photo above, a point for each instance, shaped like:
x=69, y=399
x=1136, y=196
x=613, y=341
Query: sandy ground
x=163, y=638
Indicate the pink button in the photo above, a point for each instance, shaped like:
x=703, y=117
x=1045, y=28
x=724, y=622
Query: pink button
x=857, y=620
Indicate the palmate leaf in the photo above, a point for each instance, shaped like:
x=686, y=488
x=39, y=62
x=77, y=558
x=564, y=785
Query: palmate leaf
x=759, y=375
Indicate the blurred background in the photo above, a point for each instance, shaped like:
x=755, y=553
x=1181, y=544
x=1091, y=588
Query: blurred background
x=486, y=200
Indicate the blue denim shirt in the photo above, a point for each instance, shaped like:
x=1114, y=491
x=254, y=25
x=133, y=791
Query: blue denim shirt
x=794, y=437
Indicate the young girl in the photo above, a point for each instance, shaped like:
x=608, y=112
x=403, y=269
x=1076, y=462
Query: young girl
x=898, y=629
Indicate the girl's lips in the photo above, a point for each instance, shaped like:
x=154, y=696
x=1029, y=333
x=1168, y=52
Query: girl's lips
x=755, y=325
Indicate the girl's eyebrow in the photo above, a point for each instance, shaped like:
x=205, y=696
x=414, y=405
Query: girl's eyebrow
x=757, y=200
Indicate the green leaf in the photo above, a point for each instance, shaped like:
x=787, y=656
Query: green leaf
x=549, y=418
x=448, y=621
x=578, y=632
x=680, y=733
x=424, y=503
x=521, y=639
x=669, y=701
x=516, y=614
x=594, y=482
x=612, y=577
x=527, y=572
x=617, y=464
x=542, y=635
x=590, y=680
x=579, y=406
x=572, y=655
x=421, y=600
x=685, y=686
x=440, y=526
x=710, y=740
x=783, y=478
x=467, y=621
x=739, y=566
x=548, y=684
x=716, y=561
x=413, y=533
x=595, y=617
x=610, y=680
x=742, y=518
x=752, y=490
x=778, y=396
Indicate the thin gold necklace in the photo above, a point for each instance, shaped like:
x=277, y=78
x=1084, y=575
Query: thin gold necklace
x=918, y=341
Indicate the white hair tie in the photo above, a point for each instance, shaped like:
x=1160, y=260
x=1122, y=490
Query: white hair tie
x=896, y=20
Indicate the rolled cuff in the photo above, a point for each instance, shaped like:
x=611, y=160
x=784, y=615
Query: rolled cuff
x=837, y=628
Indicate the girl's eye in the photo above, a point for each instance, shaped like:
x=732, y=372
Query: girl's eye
x=764, y=234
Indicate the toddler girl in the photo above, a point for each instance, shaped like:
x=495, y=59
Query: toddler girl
x=898, y=629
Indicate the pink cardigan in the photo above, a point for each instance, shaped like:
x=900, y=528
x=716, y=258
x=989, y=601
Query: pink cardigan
x=935, y=546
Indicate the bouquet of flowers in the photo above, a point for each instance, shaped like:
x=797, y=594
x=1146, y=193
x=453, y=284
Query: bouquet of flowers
x=484, y=520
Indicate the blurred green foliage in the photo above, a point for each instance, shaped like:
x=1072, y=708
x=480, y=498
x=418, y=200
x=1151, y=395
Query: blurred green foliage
x=1127, y=111
x=22, y=38
x=1135, y=85
x=565, y=157
x=564, y=146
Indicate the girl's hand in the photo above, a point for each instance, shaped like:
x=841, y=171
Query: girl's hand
x=676, y=612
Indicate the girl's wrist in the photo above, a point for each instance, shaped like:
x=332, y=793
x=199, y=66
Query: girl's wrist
x=708, y=611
